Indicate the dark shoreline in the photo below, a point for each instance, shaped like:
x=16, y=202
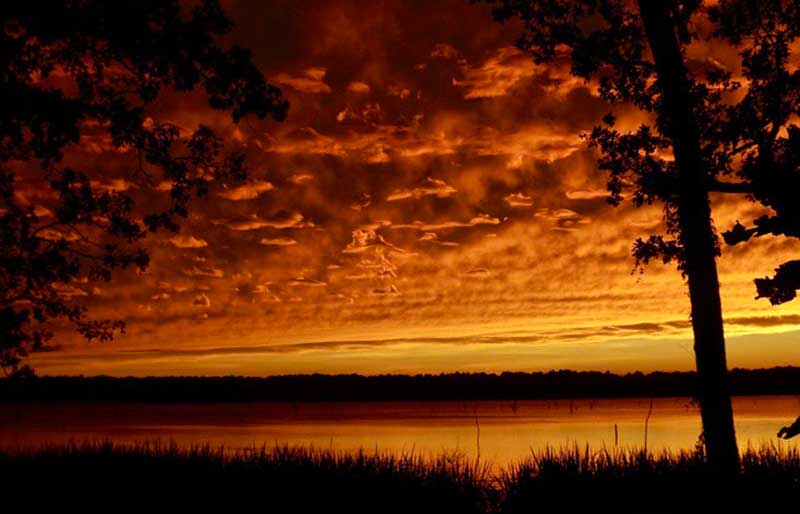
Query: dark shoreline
x=552, y=385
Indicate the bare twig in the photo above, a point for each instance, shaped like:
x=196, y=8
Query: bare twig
x=647, y=424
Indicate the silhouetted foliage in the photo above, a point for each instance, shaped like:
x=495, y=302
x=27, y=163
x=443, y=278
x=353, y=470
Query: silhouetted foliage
x=727, y=134
x=72, y=69
x=552, y=385
x=764, y=127
x=790, y=431
x=564, y=480
x=580, y=480
x=279, y=479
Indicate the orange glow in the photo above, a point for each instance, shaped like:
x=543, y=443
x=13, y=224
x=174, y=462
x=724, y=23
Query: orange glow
x=427, y=206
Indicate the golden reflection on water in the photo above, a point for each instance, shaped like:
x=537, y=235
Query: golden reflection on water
x=505, y=431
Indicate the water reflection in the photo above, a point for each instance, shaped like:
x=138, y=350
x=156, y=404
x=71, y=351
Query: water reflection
x=505, y=431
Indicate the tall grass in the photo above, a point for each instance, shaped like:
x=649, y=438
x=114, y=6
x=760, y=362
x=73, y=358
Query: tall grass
x=283, y=479
x=278, y=479
x=575, y=479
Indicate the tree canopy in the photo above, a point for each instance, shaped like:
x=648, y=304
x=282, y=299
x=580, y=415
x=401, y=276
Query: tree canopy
x=706, y=128
x=74, y=69
x=750, y=139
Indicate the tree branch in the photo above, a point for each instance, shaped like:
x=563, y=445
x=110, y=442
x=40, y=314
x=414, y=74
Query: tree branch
x=717, y=186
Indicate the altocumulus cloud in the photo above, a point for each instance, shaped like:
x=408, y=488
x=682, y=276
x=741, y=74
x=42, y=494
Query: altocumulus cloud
x=426, y=180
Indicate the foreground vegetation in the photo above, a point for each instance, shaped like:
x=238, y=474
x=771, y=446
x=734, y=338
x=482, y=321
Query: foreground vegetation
x=574, y=480
x=281, y=479
x=147, y=477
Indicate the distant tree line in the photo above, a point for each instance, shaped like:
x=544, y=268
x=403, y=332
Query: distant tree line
x=563, y=384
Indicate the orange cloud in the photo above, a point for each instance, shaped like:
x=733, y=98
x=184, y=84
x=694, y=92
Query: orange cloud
x=310, y=81
x=431, y=187
x=278, y=241
x=184, y=241
x=248, y=191
x=358, y=87
x=496, y=75
x=426, y=206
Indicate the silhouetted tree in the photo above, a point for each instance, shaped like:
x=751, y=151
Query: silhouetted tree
x=73, y=68
x=770, y=161
x=726, y=135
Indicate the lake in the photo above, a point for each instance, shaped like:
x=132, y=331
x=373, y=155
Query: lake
x=505, y=431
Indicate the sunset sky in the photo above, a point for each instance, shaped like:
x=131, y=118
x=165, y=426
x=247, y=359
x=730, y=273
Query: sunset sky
x=427, y=206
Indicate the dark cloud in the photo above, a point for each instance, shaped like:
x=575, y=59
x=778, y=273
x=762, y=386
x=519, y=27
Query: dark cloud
x=429, y=177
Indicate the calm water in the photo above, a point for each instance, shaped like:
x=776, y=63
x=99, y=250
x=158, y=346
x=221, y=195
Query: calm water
x=505, y=430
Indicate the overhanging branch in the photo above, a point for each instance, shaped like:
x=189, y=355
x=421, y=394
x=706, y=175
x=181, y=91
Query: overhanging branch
x=717, y=186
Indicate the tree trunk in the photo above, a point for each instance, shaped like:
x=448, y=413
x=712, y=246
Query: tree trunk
x=696, y=236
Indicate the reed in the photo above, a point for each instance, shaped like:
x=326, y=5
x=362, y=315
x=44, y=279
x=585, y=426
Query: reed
x=627, y=480
x=296, y=479
x=280, y=479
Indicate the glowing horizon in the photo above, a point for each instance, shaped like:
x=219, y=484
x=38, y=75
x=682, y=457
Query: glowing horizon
x=427, y=206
